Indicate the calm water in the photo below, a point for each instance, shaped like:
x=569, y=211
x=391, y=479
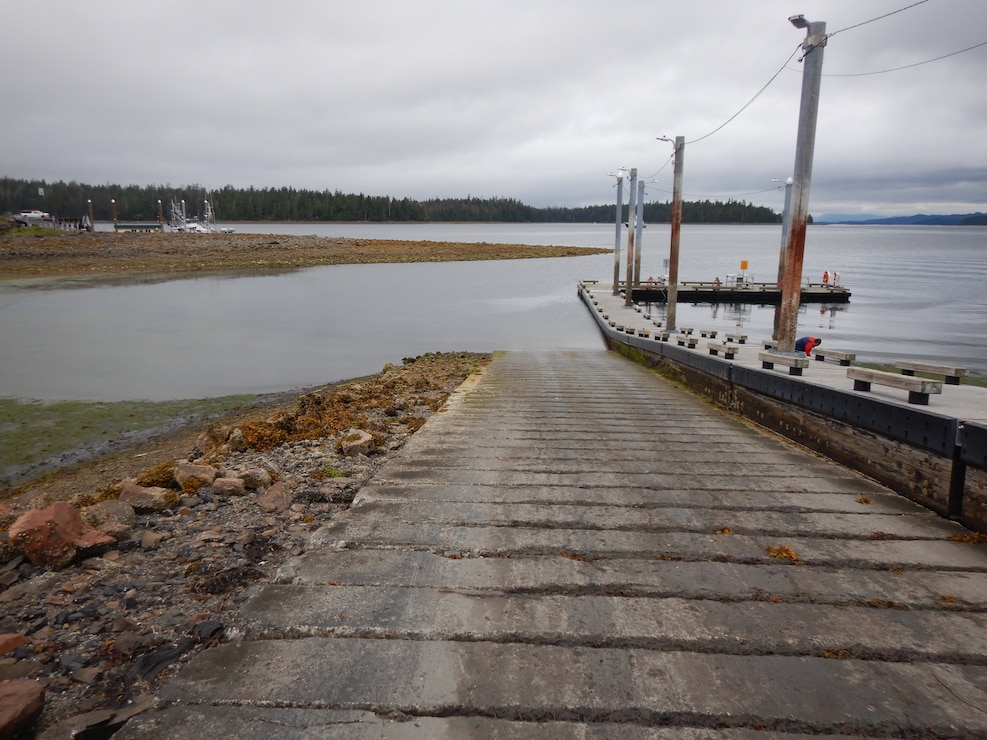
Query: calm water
x=917, y=292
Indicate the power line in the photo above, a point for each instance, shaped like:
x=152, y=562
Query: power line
x=756, y=95
x=660, y=169
x=880, y=17
x=908, y=66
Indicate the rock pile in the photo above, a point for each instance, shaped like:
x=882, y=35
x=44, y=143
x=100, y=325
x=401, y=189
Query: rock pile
x=103, y=598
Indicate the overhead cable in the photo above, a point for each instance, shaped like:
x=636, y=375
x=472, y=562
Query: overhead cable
x=880, y=17
x=908, y=66
x=747, y=104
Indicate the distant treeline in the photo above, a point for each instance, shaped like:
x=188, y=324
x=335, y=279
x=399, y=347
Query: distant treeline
x=134, y=203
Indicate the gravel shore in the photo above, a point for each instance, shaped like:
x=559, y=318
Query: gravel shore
x=27, y=255
x=102, y=633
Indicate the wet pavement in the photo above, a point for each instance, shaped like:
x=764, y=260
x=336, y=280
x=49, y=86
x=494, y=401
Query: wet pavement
x=576, y=547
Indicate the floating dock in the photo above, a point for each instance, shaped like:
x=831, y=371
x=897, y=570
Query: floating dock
x=739, y=292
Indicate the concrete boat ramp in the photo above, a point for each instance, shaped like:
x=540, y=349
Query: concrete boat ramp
x=576, y=547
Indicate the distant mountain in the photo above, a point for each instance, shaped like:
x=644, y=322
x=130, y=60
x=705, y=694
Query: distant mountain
x=845, y=218
x=957, y=219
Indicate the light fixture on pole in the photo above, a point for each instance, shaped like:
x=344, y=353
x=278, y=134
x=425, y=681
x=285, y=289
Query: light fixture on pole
x=791, y=288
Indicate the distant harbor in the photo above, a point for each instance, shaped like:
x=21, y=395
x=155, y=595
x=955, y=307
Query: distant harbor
x=46, y=220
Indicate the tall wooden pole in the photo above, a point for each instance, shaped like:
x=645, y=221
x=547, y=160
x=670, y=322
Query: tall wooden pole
x=628, y=288
x=673, y=251
x=791, y=289
x=616, y=242
x=638, y=234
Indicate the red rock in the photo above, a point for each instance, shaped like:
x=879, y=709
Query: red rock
x=257, y=478
x=11, y=640
x=276, y=499
x=192, y=477
x=21, y=703
x=356, y=442
x=149, y=499
x=228, y=487
x=53, y=536
x=114, y=517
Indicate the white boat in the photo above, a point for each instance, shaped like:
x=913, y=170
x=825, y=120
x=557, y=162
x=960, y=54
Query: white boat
x=180, y=221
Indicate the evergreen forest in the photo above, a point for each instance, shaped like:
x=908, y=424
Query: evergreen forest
x=141, y=203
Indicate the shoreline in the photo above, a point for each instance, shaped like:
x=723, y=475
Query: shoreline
x=98, y=636
x=170, y=255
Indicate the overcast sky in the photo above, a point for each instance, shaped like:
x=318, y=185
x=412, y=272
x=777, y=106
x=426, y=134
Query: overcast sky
x=531, y=99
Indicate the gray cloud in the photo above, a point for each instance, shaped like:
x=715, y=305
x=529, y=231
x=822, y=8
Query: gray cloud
x=534, y=100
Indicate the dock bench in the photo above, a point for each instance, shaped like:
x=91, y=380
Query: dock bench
x=686, y=330
x=710, y=333
x=770, y=343
x=952, y=374
x=844, y=358
x=795, y=363
x=738, y=338
x=661, y=335
x=728, y=350
x=686, y=340
x=918, y=388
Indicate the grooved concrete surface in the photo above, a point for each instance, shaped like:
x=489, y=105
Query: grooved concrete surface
x=577, y=548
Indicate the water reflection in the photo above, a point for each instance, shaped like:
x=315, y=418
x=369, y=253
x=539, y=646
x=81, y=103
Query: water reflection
x=917, y=292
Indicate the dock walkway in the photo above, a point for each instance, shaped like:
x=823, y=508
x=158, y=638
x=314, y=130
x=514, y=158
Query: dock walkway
x=964, y=402
x=575, y=547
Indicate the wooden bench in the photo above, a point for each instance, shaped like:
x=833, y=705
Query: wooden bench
x=643, y=333
x=661, y=336
x=729, y=351
x=686, y=340
x=686, y=330
x=795, y=363
x=711, y=333
x=769, y=343
x=738, y=338
x=918, y=388
x=844, y=358
x=952, y=374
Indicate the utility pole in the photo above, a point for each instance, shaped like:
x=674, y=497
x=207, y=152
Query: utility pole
x=786, y=219
x=638, y=240
x=628, y=289
x=791, y=292
x=673, y=251
x=616, y=243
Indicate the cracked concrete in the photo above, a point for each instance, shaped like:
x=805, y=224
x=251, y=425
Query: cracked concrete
x=576, y=547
